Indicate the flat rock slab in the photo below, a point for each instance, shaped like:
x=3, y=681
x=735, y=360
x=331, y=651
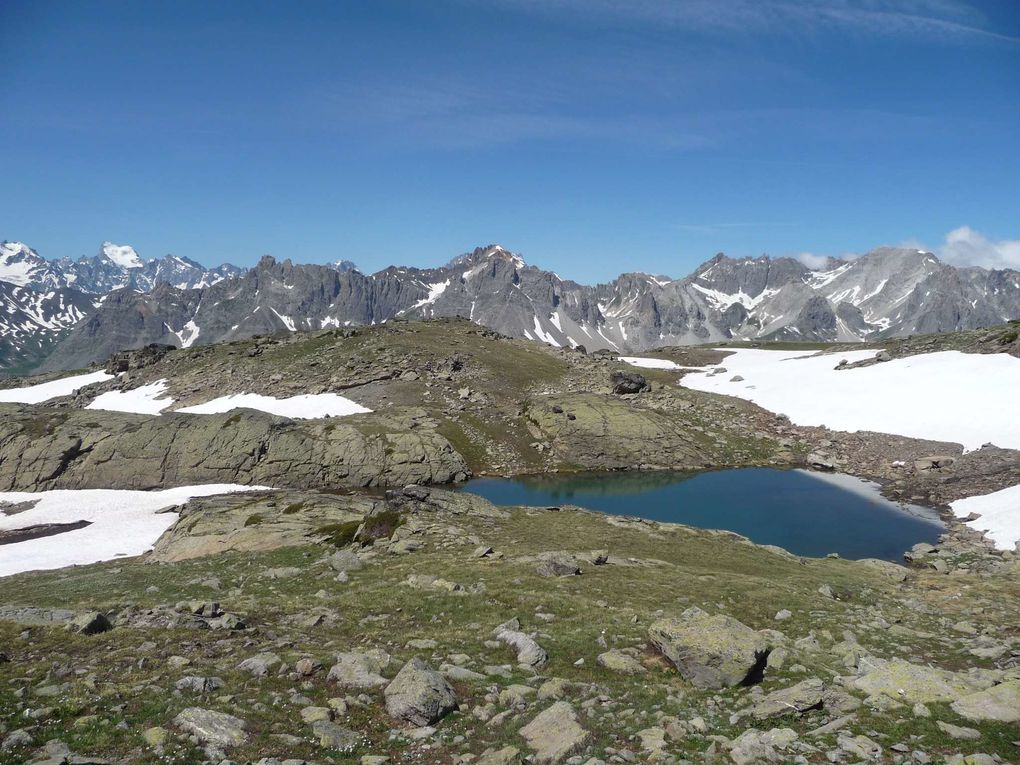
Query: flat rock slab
x=797, y=699
x=555, y=734
x=359, y=670
x=913, y=683
x=211, y=727
x=1000, y=703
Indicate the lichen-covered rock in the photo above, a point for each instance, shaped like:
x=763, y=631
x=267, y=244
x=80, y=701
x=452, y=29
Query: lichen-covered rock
x=797, y=699
x=711, y=651
x=211, y=727
x=618, y=661
x=1000, y=703
x=419, y=695
x=357, y=669
x=555, y=734
x=912, y=683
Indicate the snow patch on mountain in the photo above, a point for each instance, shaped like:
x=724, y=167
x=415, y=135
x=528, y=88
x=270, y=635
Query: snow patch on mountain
x=65, y=386
x=121, y=523
x=649, y=363
x=304, y=407
x=146, y=399
x=999, y=515
x=971, y=392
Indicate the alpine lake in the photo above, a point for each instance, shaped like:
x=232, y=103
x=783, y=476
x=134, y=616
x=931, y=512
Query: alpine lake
x=807, y=513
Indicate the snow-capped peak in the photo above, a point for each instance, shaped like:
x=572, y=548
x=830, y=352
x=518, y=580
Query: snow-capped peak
x=122, y=255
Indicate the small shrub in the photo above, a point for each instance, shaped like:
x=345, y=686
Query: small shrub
x=253, y=520
x=339, y=534
x=293, y=507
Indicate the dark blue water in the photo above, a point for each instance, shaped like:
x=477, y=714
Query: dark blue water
x=799, y=511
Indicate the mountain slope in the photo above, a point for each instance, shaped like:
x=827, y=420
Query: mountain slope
x=889, y=292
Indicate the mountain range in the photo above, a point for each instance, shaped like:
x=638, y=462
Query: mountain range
x=65, y=314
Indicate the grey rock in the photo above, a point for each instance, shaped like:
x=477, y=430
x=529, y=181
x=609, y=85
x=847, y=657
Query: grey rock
x=555, y=734
x=419, y=695
x=529, y=652
x=711, y=651
x=211, y=727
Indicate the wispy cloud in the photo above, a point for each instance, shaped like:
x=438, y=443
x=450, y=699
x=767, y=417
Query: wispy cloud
x=946, y=20
x=964, y=246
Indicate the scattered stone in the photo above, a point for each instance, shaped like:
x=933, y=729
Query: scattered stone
x=359, y=670
x=618, y=661
x=259, y=664
x=798, y=699
x=332, y=736
x=199, y=684
x=956, y=731
x=89, y=623
x=529, y=652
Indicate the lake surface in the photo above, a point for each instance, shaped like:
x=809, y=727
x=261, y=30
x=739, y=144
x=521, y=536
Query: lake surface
x=807, y=513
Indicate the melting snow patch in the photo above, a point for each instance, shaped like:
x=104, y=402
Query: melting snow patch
x=142, y=400
x=121, y=522
x=647, y=363
x=435, y=290
x=544, y=336
x=306, y=407
x=1000, y=515
x=947, y=396
x=65, y=386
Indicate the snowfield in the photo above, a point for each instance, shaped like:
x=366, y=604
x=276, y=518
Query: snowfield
x=647, y=363
x=965, y=398
x=1000, y=515
x=123, y=523
x=143, y=400
x=307, y=407
x=65, y=386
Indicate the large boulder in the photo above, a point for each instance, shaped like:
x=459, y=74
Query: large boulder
x=419, y=695
x=711, y=651
x=1000, y=703
x=627, y=382
x=555, y=734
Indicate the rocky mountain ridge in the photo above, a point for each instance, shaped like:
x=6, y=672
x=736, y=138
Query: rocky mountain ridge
x=889, y=292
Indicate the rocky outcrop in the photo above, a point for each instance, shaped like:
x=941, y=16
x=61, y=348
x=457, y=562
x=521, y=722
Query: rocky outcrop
x=606, y=432
x=250, y=522
x=43, y=448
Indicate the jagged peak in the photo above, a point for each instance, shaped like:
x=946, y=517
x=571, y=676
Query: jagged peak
x=122, y=255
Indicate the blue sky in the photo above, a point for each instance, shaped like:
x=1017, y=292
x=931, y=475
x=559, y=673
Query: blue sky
x=592, y=136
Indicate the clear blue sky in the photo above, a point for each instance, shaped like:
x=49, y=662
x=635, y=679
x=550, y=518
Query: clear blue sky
x=592, y=136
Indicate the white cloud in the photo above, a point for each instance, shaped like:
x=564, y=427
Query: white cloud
x=966, y=247
x=812, y=261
